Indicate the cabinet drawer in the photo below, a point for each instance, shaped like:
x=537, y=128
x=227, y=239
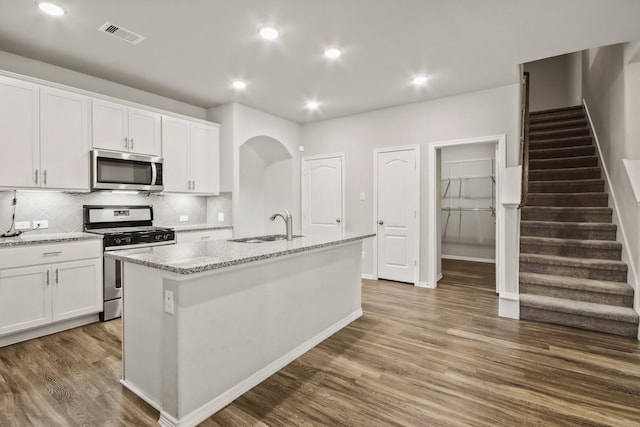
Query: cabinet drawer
x=49, y=253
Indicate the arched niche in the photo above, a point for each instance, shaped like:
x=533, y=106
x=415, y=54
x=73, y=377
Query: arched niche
x=266, y=171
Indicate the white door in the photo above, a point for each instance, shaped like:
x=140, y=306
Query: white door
x=397, y=211
x=64, y=139
x=19, y=161
x=204, y=165
x=77, y=288
x=25, y=298
x=322, y=210
x=144, y=132
x=175, y=151
x=110, y=129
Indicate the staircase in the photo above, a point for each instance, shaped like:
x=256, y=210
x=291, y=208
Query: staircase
x=571, y=271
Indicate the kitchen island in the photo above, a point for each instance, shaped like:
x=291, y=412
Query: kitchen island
x=205, y=322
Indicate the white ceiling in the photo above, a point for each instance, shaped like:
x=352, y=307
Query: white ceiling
x=194, y=48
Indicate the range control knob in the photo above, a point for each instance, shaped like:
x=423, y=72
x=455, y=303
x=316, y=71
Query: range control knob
x=158, y=237
x=127, y=240
x=166, y=237
x=118, y=241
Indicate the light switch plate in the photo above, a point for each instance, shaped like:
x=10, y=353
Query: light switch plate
x=220, y=216
x=168, y=302
x=363, y=196
x=23, y=225
x=41, y=224
x=184, y=218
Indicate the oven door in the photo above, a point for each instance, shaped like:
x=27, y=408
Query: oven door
x=123, y=171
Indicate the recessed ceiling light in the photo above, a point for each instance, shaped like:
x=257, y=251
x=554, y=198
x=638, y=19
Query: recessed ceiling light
x=238, y=84
x=419, y=80
x=312, y=105
x=51, y=8
x=269, y=32
x=332, y=53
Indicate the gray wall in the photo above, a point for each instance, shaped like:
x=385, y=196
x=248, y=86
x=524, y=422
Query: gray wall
x=554, y=82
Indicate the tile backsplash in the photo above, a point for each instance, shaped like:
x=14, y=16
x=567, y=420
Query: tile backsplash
x=64, y=210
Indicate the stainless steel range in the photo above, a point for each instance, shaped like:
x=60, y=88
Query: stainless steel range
x=123, y=227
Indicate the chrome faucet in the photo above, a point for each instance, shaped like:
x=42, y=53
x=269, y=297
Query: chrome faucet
x=286, y=216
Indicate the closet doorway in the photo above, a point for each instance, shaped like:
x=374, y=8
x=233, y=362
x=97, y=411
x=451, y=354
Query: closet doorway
x=465, y=213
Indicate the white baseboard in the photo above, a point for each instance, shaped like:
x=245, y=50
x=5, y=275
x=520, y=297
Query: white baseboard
x=369, y=276
x=509, y=306
x=469, y=258
x=205, y=411
x=427, y=285
x=48, y=329
x=135, y=390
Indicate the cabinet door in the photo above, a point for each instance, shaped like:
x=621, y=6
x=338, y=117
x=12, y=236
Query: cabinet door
x=19, y=159
x=77, y=288
x=25, y=298
x=64, y=140
x=109, y=126
x=144, y=132
x=205, y=159
x=175, y=149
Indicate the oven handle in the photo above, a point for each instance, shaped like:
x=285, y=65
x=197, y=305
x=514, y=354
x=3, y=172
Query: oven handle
x=118, y=274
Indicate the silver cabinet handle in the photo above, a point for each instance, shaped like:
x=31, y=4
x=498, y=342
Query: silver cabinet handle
x=194, y=184
x=55, y=253
x=126, y=142
x=131, y=142
x=36, y=176
x=56, y=275
x=47, y=277
x=44, y=177
x=189, y=185
x=338, y=220
x=380, y=222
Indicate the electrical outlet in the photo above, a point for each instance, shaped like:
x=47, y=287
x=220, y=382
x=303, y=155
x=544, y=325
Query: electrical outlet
x=220, y=216
x=184, y=218
x=168, y=302
x=41, y=224
x=23, y=225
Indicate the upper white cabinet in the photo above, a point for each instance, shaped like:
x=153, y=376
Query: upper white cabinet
x=121, y=128
x=19, y=138
x=42, y=132
x=191, y=154
x=64, y=140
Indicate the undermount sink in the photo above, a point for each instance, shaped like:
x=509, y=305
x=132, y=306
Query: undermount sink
x=263, y=239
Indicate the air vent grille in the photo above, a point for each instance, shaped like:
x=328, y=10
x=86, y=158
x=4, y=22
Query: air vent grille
x=121, y=33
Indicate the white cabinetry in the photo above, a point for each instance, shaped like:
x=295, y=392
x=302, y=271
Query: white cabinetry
x=191, y=154
x=44, y=284
x=204, y=235
x=42, y=132
x=121, y=128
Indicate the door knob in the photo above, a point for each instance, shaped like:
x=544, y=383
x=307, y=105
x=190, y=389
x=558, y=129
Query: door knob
x=380, y=222
x=338, y=220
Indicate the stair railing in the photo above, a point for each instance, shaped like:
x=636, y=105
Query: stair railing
x=524, y=139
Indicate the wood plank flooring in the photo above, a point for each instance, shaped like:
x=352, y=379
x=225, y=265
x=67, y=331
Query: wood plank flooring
x=417, y=357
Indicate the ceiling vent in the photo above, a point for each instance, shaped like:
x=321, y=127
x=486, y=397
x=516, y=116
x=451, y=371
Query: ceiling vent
x=121, y=33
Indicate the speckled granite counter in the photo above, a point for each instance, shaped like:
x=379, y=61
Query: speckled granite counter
x=199, y=227
x=192, y=258
x=39, y=239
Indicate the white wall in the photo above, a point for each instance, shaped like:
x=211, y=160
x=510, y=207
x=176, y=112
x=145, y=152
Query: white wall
x=605, y=93
x=248, y=123
x=51, y=73
x=251, y=210
x=487, y=112
x=468, y=234
x=551, y=83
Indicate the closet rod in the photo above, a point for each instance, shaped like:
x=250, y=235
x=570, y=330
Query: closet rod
x=468, y=209
x=451, y=162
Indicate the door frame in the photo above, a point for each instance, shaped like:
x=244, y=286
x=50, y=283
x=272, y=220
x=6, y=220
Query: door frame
x=343, y=218
x=376, y=151
x=434, y=191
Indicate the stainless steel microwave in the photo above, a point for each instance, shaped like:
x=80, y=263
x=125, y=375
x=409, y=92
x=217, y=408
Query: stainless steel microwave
x=111, y=170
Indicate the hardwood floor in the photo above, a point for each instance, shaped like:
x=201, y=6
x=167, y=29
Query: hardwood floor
x=417, y=357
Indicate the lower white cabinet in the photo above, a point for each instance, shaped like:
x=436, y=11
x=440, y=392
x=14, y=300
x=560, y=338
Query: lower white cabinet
x=32, y=296
x=204, y=235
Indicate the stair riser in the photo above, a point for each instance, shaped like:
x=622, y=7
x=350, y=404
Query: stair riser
x=582, y=322
x=542, y=215
x=570, y=271
x=567, y=233
x=557, y=134
x=571, y=162
x=567, y=200
x=566, y=187
x=542, y=126
x=571, y=251
x=563, y=174
x=577, y=295
x=557, y=114
x=561, y=143
x=561, y=153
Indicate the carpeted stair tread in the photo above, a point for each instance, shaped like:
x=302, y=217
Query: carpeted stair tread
x=564, y=174
x=559, y=133
x=574, y=283
x=582, y=308
x=573, y=141
x=569, y=230
x=599, y=264
x=573, y=122
x=569, y=199
x=567, y=186
x=562, y=152
x=566, y=214
x=600, y=249
x=563, y=163
x=574, y=109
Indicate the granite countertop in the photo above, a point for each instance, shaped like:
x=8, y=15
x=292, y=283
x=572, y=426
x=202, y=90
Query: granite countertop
x=40, y=239
x=190, y=258
x=199, y=227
